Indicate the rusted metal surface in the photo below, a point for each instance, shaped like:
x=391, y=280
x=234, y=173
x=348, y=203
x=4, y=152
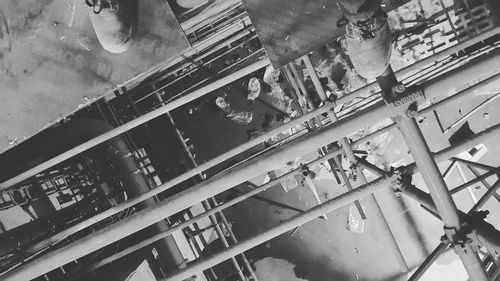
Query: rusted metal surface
x=51, y=62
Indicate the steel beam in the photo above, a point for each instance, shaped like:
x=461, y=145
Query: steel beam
x=321, y=93
x=485, y=232
x=371, y=201
x=175, y=181
x=478, y=138
x=435, y=183
x=439, y=104
x=403, y=73
x=313, y=135
x=197, y=193
x=213, y=211
x=206, y=204
x=440, y=156
x=475, y=164
x=233, y=152
x=493, y=189
x=484, y=182
x=134, y=123
x=288, y=225
x=478, y=178
x=428, y=262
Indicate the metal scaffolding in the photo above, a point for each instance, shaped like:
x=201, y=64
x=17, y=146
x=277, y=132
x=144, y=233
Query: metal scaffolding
x=466, y=233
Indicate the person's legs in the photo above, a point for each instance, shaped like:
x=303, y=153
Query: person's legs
x=368, y=36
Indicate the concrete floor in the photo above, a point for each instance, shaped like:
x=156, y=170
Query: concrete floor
x=322, y=250
x=51, y=63
x=325, y=250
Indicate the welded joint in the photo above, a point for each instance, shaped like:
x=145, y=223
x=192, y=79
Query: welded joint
x=305, y=171
x=459, y=240
x=467, y=235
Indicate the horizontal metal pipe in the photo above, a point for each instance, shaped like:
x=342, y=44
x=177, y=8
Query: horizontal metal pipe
x=214, y=10
x=483, y=83
x=197, y=193
x=474, y=181
x=478, y=138
x=177, y=180
x=290, y=224
x=484, y=182
x=372, y=135
x=207, y=46
x=371, y=167
x=486, y=233
x=402, y=73
x=439, y=192
x=470, y=113
x=428, y=262
x=474, y=164
x=453, y=64
x=476, y=70
x=134, y=123
x=480, y=203
x=233, y=152
x=126, y=205
x=452, y=151
x=210, y=212
x=444, y=53
x=470, y=89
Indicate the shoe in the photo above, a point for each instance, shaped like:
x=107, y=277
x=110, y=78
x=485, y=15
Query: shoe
x=114, y=22
x=358, y=10
x=370, y=55
x=369, y=42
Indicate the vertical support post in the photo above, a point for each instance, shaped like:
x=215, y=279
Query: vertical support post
x=450, y=22
x=197, y=251
x=435, y=183
x=348, y=184
x=206, y=205
x=235, y=241
x=373, y=205
x=295, y=95
x=223, y=239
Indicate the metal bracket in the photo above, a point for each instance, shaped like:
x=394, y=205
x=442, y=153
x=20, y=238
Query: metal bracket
x=467, y=236
x=473, y=226
x=405, y=101
x=457, y=240
x=306, y=172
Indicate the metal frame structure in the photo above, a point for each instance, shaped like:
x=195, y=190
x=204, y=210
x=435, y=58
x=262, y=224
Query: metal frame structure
x=466, y=233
